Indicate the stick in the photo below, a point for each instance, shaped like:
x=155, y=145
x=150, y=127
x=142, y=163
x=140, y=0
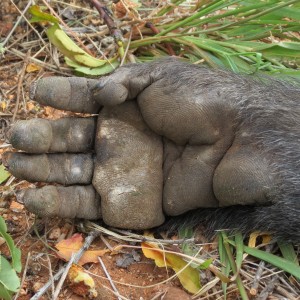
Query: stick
x=20, y=84
x=76, y=258
x=109, y=278
x=108, y=20
x=24, y=275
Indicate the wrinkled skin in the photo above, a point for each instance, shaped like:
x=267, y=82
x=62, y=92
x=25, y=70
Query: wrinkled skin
x=170, y=138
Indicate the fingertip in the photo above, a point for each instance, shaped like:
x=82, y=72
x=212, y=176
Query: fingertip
x=20, y=196
x=32, y=136
x=67, y=93
x=5, y=158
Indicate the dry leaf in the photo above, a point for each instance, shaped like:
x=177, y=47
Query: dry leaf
x=189, y=277
x=3, y=105
x=66, y=248
x=81, y=283
x=30, y=105
x=16, y=206
x=125, y=7
x=31, y=67
x=266, y=238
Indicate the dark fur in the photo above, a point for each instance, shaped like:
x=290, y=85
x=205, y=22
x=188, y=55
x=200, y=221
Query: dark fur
x=270, y=110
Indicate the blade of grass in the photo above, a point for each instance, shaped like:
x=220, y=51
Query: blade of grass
x=238, y=279
x=276, y=261
x=288, y=252
x=217, y=6
x=238, y=12
x=165, y=9
x=235, y=23
x=225, y=269
x=239, y=250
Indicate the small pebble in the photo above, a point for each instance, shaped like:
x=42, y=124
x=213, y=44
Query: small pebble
x=54, y=233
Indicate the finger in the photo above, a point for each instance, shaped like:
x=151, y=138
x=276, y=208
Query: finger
x=128, y=82
x=65, y=169
x=63, y=135
x=64, y=202
x=68, y=93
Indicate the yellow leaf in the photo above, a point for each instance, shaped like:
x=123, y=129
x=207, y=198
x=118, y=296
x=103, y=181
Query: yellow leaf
x=32, y=68
x=81, y=283
x=3, y=105
x=188, y=276
x=266, y=238
x=66, y=248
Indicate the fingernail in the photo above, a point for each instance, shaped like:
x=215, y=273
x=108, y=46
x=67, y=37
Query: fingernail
x=8, y=134
x=5, y=158
x=98, y=87
x=20, y=196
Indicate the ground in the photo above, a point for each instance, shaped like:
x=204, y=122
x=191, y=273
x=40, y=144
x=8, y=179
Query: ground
x=27, y=58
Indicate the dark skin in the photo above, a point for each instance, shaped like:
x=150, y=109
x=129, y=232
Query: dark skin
x=170, y=138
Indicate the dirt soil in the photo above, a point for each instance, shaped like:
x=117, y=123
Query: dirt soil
x=27, y=58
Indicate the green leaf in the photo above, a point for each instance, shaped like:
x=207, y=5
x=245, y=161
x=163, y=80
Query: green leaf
x=68, y=48
x=276, y=261
x=40, y=16
x=187, y=233
x=4, y=293
x=105, y=69
x=283, y=73
x=206, y=264
x=2, y=49
x=14, y=251
x=3, y=174
x=225, y=263
x=233, y=266
x=8, y=276
x=291, y=12
x=288, y=252
x=239, y=250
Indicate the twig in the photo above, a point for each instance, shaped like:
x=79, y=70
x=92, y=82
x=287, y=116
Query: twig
x=22, y=13
x=17, y=23
x=5, y=146
x=108, y=20
x=259, y=271
x=142, y=238
x=51, y=275
x=109, y=278
x=156, y=31
x=107, y=244
x=89, y=239
x=268, y=289
x=43, y=64
x=287, y=285
x=24, y=275
x=20, y=84
x=127, y=48
x=63, y=277
x=256, y=280
x=285, y=293
x=43, y=290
